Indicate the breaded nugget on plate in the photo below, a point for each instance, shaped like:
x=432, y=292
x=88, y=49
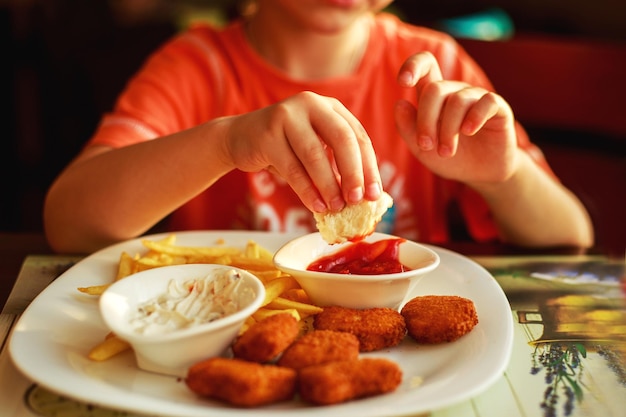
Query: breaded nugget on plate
x=241, y=383
x=376, y=328
x=318, y=347
x=267, y=338
x=337, y=382
x=439, y=318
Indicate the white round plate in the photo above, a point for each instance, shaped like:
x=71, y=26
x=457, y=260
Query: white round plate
x=53, y=336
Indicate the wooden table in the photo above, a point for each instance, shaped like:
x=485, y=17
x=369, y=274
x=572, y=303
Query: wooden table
x=14, y=247
x=568, y=359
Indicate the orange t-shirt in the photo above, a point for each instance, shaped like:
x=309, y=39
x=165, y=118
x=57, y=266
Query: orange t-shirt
x=207, y=72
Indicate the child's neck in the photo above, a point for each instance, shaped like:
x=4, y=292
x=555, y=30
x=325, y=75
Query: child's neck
x=310, y=56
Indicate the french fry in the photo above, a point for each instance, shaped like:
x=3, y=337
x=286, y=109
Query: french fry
x=305, y=310
x=174, y=250
x=278, y=286
x=252, y=250
x=243, y=262
x=255, y=251
x=125, y=267
x=109, y=347
x=145, y=263
x=266, y=276
x=169, y=239
x=297, y=294
x=94, y=289
x=262, y=313
x=246, y=325
x=208, y=259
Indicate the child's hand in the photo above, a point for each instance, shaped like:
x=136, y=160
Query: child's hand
x=314, y=143
x=458, y=131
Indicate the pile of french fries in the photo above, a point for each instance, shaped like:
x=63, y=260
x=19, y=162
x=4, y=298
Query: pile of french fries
x=282, y=293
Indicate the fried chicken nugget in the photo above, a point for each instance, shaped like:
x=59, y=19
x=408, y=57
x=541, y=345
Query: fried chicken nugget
x=241, y=383
x=439, y=318
x=267, y=338
x=376, y=328
x=318, y=347
x=337, y=382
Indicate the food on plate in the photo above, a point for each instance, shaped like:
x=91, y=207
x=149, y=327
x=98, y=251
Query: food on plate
x=304, y=309
x=280, y=288
x=94, y=289
x=253, y=258
x=111, y=346
x=354, y=222
x=318, y=347
x=241, y=383
x=274, y=303
x=266, y=339
x=363, y=258
x=193, y=302
x=376, y=328
x=439, y=318
x=337, y=382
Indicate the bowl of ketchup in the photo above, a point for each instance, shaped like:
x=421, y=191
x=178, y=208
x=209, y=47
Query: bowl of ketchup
x=378, y=271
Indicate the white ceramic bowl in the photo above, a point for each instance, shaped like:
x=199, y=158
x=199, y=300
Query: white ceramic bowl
x=172, y=353
x=354, y=291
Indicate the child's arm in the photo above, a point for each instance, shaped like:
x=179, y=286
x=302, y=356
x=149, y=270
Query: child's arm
x=468, y=134
x=107, y=195
x=532, y=209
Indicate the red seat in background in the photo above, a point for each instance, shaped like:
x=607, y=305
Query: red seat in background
x=571, y=96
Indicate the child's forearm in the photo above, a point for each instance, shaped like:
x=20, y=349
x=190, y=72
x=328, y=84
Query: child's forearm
x=108, y=195
x=532, y=209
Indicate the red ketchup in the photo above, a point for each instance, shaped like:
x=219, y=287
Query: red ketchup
x=363, y=258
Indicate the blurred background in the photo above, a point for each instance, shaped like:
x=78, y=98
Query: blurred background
x=560, y=63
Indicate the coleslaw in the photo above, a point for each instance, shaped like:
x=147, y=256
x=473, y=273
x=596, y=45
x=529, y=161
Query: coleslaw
x=192, y=303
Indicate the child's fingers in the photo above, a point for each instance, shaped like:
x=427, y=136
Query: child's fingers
x=357, y=165
x=430, y=104
x=326, y=155
x=418, y=70
x=342, y=136
x=454, y=113
x=488, y=106
x=307, y=169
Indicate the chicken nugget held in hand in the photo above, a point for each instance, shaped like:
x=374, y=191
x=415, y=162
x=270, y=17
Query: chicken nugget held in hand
x=266, y=339
x=353, y=222
x=337, y=382
x=241, y=383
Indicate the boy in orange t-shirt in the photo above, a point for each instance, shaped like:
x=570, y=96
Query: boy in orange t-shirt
x=308, y=106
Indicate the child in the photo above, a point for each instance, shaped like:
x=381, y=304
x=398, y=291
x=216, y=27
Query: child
x=306, y=106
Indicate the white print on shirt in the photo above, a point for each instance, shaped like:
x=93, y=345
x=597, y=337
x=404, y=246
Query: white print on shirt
x=297, y=219
x=265, y=215
x=263, y=184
